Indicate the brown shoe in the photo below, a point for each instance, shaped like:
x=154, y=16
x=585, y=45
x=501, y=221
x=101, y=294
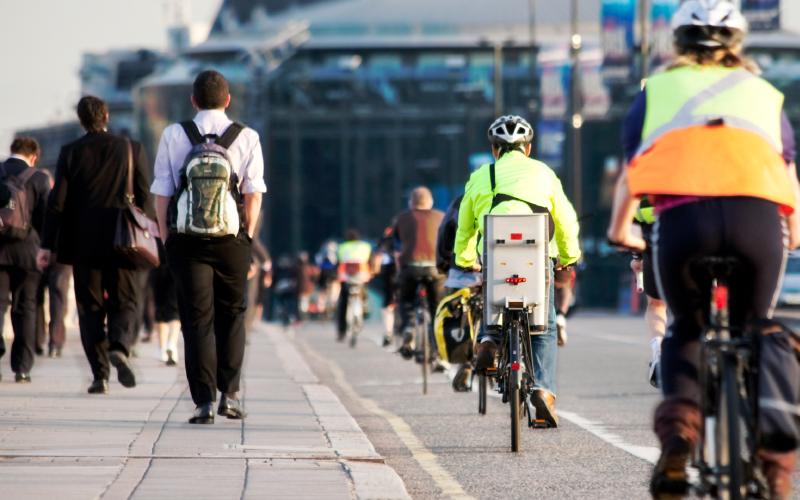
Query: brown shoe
x=778, y=467
x=485, y=352
x=670, y=478
x=545, y=404
x=677, y=425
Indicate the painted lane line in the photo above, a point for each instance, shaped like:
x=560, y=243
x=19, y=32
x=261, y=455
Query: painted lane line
x=646, y=453
x=424, y=456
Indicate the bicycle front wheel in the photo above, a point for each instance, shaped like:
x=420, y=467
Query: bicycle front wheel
x=482, y=382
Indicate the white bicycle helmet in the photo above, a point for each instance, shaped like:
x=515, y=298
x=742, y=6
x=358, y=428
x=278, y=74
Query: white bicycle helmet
x=708, y=23
x=510, y=130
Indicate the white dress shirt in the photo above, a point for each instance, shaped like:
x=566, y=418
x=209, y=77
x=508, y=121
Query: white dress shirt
x=245, y=154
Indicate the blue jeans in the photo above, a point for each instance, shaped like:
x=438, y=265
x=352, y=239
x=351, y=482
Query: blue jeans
x=544, y=347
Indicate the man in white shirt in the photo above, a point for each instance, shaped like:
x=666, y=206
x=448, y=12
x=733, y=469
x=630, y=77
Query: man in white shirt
x=210, y=272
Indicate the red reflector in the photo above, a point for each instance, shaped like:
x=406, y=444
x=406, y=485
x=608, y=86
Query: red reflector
x=514, y=280
x=516, y=236
x=721, y=297
x=515, y=366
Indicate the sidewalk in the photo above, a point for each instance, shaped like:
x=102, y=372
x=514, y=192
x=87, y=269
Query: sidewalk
x=298, y=440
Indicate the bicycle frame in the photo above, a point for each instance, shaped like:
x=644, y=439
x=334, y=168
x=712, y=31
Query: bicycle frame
x=728, y=404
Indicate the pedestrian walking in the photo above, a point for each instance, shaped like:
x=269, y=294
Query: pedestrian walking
x=23, y=199
x=209, y=177
x=89, y=192
x=52, y=330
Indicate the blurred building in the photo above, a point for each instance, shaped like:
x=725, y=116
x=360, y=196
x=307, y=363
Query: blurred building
x=357, y=101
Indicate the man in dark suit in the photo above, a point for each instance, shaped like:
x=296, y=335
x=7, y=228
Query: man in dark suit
x=19, y=277
x=82, y=212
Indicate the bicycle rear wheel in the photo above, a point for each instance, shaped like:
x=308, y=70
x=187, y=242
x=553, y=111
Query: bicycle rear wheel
x=730, y=477
x=422, y=336
x=513, y=385
x=482, y=382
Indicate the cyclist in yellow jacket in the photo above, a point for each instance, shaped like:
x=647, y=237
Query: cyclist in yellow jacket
x=716, y=157
x=353, y=256
x=518, y=184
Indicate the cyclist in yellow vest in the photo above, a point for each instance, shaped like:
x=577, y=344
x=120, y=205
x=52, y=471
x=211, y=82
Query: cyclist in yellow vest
x=716, y=157
x=354, y=269
x=517, y=184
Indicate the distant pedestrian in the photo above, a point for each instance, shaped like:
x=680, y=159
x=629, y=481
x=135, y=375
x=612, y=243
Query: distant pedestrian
x=167, y=320
x=82, y=213
x=209, y=177
x=23, y=199
x=52, y=331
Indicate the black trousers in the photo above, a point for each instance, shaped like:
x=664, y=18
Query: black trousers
x=55, y=281
x=211, y=279
x=408, y=280
x=18, y=288
x=107, y=296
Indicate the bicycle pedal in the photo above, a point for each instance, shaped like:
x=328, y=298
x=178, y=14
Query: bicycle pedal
x=538, y=423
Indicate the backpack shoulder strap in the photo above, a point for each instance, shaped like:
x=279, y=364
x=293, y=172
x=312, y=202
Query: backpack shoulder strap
x=492, y=177
x=192, y=132
x=26, y=174
x=230, y=135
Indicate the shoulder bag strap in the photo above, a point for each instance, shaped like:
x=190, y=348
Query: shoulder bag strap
x=129, y=197
x=26, y=174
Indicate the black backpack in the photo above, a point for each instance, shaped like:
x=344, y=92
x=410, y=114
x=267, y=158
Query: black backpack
x=16, y=208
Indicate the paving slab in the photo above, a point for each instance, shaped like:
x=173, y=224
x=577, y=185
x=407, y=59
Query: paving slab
x=297, y=441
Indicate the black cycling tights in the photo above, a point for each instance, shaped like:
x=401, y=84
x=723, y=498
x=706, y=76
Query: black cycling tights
x=749, y=229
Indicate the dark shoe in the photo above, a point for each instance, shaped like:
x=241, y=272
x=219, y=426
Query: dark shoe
x=146, y=337
x=203, y=414
x=22, y=378
x=670, y=479
x=407, y=349
x=485, y=352
x=124, y=372
x=778, y=468
x=439, y=366
x=231, y=408
x=54, y=352
x=462, y=378
x=170, y=358
x=39, y=350
x=545, y=404
x=99, y=386
x=387, y=341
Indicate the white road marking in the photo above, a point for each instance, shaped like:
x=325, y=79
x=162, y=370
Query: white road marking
x=597, y=429
x=424, y=456
x=646, y=453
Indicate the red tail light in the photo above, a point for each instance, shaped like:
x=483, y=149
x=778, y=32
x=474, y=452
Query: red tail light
x=516, y=280
x=721, y=297
x=516, y=236
x=515, y=366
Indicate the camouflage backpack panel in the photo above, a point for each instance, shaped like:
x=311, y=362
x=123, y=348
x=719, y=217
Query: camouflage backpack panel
x=206, y=206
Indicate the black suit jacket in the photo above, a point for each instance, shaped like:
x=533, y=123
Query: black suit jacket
x=88, y=194
x=22, y=254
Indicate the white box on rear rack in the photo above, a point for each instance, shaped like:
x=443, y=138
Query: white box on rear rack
x=516, y=267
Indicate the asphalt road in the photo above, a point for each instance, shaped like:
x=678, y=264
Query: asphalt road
x=442, y=448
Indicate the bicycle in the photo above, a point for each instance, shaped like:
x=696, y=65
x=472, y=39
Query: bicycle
x=725, y=455
x=515, y=304
x=355, y=312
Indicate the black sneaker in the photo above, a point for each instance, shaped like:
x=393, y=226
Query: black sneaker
x=462, y=378
x=670, y=478
x=387, y=341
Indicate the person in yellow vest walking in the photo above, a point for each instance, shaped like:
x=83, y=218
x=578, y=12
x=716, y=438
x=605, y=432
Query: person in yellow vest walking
x=716, y=157
x=354, y=270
